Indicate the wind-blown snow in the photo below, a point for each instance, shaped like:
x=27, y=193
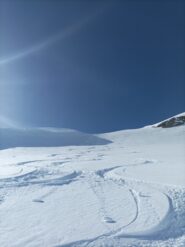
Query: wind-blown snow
x=46, y=137
x=129, y=191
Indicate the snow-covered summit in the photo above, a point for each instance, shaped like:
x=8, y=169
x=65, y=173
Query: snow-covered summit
x=172, y=122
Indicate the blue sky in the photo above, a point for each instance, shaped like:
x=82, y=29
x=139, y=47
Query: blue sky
x=96, y=66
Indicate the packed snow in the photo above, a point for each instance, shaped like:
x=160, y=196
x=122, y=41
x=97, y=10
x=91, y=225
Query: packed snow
x=65, y=188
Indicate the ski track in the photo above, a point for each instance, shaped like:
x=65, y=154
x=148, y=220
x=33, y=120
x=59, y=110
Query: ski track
x=37, y=177
x=149, y=234
x=96, y=181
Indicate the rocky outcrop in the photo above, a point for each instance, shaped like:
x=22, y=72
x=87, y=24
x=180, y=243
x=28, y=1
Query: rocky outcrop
x=172, y=122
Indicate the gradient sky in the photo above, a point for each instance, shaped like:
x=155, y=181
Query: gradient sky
x=96, y=66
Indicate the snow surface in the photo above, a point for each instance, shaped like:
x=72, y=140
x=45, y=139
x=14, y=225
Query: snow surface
x=46, y=137
x=127, y=192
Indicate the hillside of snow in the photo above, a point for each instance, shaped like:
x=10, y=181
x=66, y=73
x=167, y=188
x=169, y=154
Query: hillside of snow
x=65, y=188
x=46, y=137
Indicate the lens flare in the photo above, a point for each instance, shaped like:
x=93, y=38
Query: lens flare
x=67, y=32
x=8, y=123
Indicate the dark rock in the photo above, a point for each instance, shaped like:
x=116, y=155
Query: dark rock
x=172, y=122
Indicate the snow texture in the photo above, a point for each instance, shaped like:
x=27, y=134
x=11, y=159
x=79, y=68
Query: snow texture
x=127, y=192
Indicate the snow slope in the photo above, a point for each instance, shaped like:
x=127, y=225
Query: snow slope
x=46, y=137
x=129, y=191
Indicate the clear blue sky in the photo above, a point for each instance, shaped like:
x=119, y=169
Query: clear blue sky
x=96, y=66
